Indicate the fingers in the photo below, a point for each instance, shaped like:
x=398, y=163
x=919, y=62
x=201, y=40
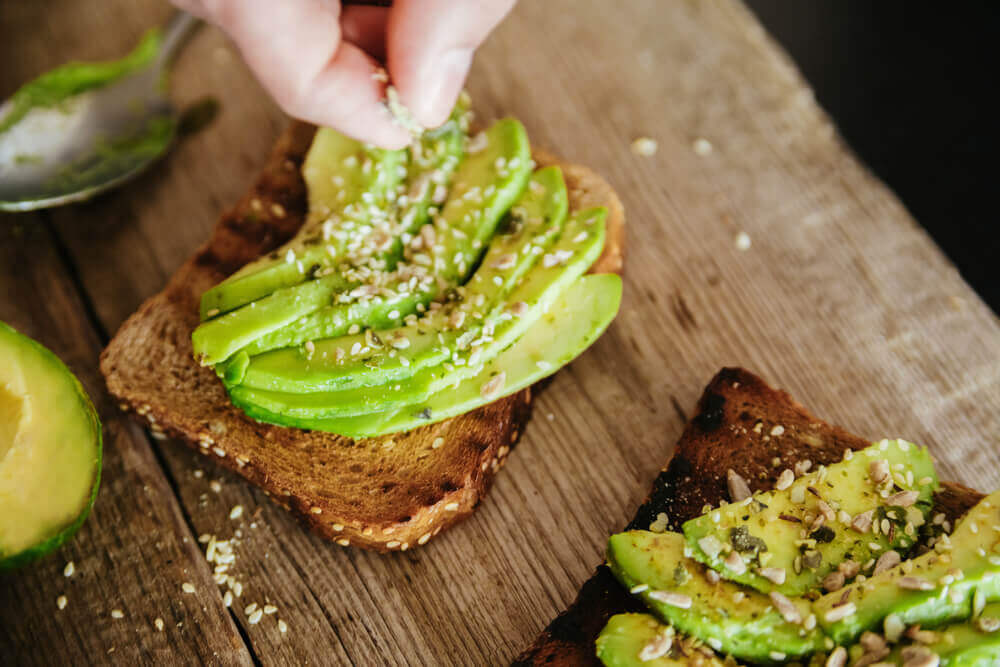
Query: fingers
x=430, y=44
x=295, y=49
x=365, y=26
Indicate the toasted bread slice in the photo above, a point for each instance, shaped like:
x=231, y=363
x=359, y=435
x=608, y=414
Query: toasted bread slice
x=386, y=493
x=735, y=427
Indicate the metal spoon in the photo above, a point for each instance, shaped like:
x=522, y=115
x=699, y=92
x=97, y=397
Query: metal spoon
x=94, y=140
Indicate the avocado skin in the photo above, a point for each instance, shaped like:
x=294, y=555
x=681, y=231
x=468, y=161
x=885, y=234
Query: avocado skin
x=544, y=205
x=576, y=319
x=626, y=635
x=750, y=629
x=845, y=485
x=539, y=289
x=879, y=596
x=44, y=548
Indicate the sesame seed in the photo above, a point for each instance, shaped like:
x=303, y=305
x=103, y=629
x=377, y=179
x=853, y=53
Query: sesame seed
x=158, y=623
x=236, y=512
x=270, y=609
x=344, y=542
x=250, y=608
x=738, y=488
x=774, y=574
x=316, y=510
x=227, y=599
x=282, y=626
x=702, y=147
x=638, y=588
x=187, y=587
x=69, y=569
x=61, y=602
x=451, y=507
x=777, y=430
x=255, y=617
x=423, y=538
x=785, y=479
x=644, y=146
x=841, y=612
x=117, y=613
x=219, y=451
x=678, y=600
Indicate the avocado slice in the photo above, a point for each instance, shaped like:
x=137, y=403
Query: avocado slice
x=50, y=451
x=973, y=643
x=360, y=182
x=789, y=540
x=936, y=587
x=485, y=185
x=328, y=365
x=341, y=175
x=729, y=617
x=576, y=251
x=629, y=640
x=576, y=319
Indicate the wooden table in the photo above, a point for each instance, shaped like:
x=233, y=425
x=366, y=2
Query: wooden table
x=840, y=298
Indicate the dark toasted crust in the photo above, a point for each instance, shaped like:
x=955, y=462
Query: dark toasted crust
x=722, y=435
x=381, y=493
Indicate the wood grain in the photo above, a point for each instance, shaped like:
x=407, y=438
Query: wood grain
x=841, y=299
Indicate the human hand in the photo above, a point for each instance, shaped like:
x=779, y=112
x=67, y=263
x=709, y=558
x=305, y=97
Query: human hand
x=320, y=61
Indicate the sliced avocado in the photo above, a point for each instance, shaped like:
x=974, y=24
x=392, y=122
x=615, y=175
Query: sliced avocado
x=936, y=587
x=485, y=186
x=349, y=186
x=329, y=364
x=972, y=643
x=729, y=617
x=50, y=451
x=574, y=321
x=789, y=540
x=576, y=251
x=631, y=640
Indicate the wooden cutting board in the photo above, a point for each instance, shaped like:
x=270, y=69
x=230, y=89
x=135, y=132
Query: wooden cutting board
x=755, y=239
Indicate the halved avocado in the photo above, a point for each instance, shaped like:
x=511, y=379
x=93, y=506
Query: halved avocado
x=50, y=451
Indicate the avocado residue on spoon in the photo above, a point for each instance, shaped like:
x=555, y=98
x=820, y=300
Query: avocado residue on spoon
x=58, y=85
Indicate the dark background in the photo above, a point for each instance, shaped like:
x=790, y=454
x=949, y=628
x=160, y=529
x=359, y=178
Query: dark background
x=911, y=86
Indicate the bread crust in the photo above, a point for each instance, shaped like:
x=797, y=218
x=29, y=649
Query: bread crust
x=723, y=435
x=388, y=493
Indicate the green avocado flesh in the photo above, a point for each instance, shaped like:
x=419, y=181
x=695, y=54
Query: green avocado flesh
x=789, y=540
x=573, y=322
x=50, y=451
x=728, y=617
x=356, y=211
x=942, y=606
x=975, y=643
x=540, y=288
x=933, y=588
x=402, y=351
x=485, y=186
x=639, y=640
x=424, y=283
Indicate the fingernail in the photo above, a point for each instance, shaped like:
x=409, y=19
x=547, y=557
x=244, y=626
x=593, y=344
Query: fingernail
x=440, y=83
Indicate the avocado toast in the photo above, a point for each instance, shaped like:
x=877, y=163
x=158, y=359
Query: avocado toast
x=744, y=426
x=387, y=493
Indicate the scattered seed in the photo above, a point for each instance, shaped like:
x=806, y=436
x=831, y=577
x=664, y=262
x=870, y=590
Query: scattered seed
x=69, y=569
x=187, y=587
x=61, y=602
x=678, y=600
x=738, y=488
x=158, y=622
x=644, y=146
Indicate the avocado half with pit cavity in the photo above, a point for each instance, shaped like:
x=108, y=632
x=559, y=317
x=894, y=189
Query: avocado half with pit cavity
x=50, y=451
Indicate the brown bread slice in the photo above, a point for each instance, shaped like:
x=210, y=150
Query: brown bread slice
x=382, y=493
x=735, y=427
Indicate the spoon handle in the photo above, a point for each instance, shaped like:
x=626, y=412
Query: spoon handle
x=180, y=26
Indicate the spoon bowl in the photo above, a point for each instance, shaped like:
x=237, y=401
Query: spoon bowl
x=67, y=150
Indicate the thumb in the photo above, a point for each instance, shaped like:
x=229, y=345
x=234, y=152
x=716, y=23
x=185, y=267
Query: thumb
x=430, y=46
